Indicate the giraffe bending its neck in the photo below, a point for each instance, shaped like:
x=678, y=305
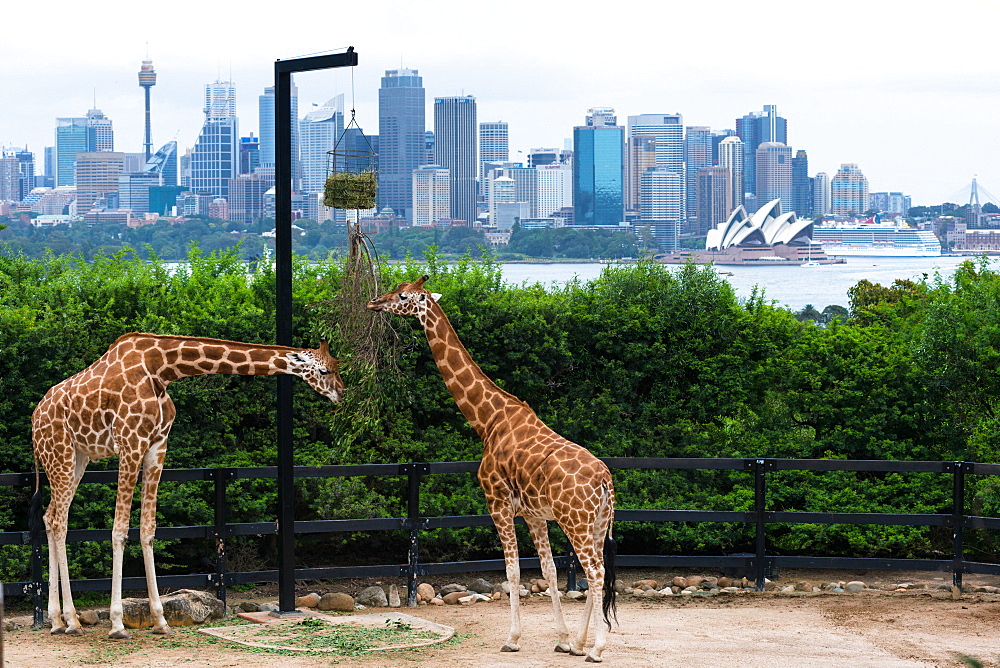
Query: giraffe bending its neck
x=119, y=406
x=528, y=470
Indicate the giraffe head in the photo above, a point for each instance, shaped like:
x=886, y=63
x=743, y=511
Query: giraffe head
x=318, y=368
x=407, y=299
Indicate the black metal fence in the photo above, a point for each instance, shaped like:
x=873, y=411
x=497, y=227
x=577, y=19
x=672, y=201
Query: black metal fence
x=757, y=563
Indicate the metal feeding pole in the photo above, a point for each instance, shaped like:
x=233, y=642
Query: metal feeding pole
x=283, y=70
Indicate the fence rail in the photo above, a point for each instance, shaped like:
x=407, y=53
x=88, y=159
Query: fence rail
x=757, y=563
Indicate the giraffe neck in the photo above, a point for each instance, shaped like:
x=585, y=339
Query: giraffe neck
x=477, y=396
x=173, y=357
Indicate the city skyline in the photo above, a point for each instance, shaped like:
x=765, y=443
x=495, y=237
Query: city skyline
x=879, y=101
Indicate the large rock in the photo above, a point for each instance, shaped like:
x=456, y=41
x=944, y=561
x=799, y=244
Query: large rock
x=481, y=586
x=425, y=591
x=453, y=597
x=373, y=597
x=307, y=601
x=182, y=608
x=449, y=588
x=394, y=601
x=338, y=601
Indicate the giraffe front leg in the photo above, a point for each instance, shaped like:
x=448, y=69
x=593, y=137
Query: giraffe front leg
x=128, y=471
x=55, y=610
x=504, y=521
x=152, y=467
x=540, y=535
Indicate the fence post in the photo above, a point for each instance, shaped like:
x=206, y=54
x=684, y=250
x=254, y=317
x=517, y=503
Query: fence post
x=413, y=473
x=36, y=529
x=221, y=477
x=759, y=506
x=958, y=520
x=571, y=569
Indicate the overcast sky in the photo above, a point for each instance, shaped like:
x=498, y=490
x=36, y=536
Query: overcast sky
x=908, y=90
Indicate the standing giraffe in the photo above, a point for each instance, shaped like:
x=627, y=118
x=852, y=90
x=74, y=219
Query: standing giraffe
x=119, y=406
x=527, y=469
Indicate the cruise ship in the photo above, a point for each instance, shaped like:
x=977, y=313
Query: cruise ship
x=873, y=237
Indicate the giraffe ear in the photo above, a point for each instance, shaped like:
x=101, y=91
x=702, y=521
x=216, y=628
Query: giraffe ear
x=436, y=296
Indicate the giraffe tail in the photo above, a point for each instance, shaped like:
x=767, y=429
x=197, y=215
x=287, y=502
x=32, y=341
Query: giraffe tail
x=610, y=604
x=35, y=524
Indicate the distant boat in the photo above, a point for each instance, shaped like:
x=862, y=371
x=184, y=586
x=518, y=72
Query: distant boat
x=876, y=238
x=811, y=263
x=725, y=273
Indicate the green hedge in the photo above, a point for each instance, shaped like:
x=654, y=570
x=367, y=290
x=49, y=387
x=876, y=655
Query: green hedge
x=646, y=360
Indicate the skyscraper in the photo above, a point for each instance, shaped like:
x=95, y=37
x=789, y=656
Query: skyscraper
x=318, y=134
x=97, y=175
x=599, y=170
x=821, y=194
x=641, y=156
x=731, y=157
x=754, y=129
x=215, y=158
x=697, y=154
x=402, y=142
x=265, y=112
x=714, y=197
x=848, y=191
x=104, y=133
x=802, y=185
x=73, y=135
x=493, y=144
x=555, y=188
x=774, y=174
x=455, y=149
x=668, y=130
x=661, y=195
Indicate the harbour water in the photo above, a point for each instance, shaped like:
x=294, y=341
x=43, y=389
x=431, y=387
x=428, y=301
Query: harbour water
x=791, y=286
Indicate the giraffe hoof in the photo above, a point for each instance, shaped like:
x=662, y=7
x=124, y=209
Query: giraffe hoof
x=573, y=652
x=77, y=631
x=510, y=648
x=57, y=630
x=562, y=649
x=163, y=631
x=592, y=659
x=119, y=635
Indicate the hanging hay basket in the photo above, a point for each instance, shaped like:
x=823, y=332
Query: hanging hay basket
x=351, y=190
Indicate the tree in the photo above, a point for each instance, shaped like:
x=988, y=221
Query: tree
x=809, y=313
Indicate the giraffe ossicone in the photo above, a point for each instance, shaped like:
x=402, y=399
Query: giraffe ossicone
x=527, y=470
x=119, y=406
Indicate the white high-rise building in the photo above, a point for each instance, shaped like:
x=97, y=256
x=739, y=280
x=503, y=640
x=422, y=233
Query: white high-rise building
x=555, y=188
x=774, y=174
x=503, y=190
x=661, y=195
x=821, y=194
x=731, y=157
x=697, y=154
x=668, y=132
x=848, y=191
x=431, y=194
x=493, y=144
x=104, y=134
x=220, y=100
x=318, y=134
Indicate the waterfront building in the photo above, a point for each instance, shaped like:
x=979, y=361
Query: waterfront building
x=431, y=195
x=755, y=129
x=848, y=191
x=493, y=144
x=697, y=154
x=555, y=188
x=97, y=175
x=713, y=197
x=774, y=172
x=455, y=149
x=821, y=194
x=215, y=157
x=598, y=170
x=10, y=179
x=890, y=203
x=802, y=185
x=402, y=139
x=731, y=157
x=318, y=134
x=525, y=185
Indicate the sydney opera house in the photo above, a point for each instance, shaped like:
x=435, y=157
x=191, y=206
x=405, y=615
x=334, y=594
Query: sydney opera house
x=766, y=237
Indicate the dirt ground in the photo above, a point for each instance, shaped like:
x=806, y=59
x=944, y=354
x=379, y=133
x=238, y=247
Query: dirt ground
x=912, y=629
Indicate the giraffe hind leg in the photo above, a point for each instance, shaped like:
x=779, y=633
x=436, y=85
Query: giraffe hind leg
x=504, y=521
